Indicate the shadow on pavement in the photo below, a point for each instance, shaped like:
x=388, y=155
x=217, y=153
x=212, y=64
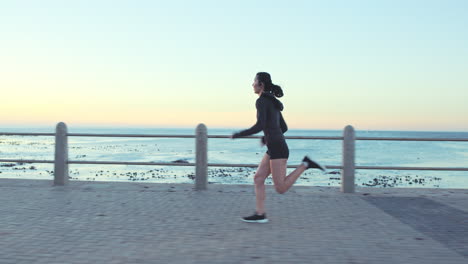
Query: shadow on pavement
x=443, y=223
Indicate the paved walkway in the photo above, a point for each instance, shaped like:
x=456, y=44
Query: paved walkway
x=96, y=222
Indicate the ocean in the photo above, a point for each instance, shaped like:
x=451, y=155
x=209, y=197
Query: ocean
x=327, y=152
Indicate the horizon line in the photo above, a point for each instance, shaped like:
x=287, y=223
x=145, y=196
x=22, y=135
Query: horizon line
x=10, y=126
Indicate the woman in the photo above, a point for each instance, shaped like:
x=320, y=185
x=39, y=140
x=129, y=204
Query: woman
x=270, y=120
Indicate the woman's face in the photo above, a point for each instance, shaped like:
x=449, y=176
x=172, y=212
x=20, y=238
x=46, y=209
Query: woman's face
x=257, y=86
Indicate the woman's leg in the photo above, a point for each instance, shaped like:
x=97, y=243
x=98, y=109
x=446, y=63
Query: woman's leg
x=278, y=171
x=262, y=173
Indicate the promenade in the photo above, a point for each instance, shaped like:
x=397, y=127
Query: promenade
x=109, y=222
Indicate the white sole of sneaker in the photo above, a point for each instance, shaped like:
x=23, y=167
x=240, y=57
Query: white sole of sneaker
x=256, y=221
x=323, y=168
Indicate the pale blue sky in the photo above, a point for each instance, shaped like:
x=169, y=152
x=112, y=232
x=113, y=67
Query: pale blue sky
x=372, y=64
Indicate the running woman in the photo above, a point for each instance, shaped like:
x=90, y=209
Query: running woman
x=271, y=122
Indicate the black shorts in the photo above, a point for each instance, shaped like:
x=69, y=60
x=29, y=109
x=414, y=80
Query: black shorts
x=278, y=149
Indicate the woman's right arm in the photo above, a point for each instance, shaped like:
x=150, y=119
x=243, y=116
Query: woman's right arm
x=261, y=121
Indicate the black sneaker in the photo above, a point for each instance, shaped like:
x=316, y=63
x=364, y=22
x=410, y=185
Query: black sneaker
x=313, y=164
x=256, y=219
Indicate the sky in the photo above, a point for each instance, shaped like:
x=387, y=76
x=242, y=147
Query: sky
x=375, y=65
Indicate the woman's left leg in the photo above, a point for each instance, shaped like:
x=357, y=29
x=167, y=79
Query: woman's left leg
x=278, y=171
x=262, y=173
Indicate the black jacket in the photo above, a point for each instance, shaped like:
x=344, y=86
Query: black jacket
x=269, y=117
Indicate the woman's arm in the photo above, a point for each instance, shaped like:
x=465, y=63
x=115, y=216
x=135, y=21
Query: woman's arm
x=283, y=125
x=261, y=121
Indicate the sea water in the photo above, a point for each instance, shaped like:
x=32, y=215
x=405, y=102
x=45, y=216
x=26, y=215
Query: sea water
x=245, y=151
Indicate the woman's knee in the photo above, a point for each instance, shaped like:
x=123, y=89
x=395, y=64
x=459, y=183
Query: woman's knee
x=259, y=180
x=280, y=189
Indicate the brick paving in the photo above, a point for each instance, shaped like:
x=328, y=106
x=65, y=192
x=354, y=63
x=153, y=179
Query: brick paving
x=110, y=222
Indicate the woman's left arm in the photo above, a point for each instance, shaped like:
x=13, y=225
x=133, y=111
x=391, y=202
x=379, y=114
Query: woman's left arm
x=283, y=125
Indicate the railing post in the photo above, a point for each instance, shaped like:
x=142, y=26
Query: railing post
x=347, y=173
x=61, y=155
x=201, y=159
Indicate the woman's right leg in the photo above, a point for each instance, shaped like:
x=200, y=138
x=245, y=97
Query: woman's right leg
x=262, y=173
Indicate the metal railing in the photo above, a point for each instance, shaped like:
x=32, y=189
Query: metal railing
x=201, y=164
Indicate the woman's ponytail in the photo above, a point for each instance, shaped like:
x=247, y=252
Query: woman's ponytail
x=277, y=91
x=265, y=78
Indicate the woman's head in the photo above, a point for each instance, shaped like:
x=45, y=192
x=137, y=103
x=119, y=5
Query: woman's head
x=263, y=83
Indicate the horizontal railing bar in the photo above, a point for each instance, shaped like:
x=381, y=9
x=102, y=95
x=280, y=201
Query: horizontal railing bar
x=286, y=137
x=224, y=136
x=148, y=163
x=412, y=139
x=187, y=136
x=26, y=161
x=233, y=165
x=131, y=163
x=176, y=164
x=321, y=138
x=26, y=134
x=256, y=165
x=129, y=135
x=411, y=168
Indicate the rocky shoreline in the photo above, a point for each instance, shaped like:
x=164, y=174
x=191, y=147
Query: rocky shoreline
x=220, y=175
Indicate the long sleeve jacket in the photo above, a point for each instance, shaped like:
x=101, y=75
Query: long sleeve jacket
x=269, y=117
